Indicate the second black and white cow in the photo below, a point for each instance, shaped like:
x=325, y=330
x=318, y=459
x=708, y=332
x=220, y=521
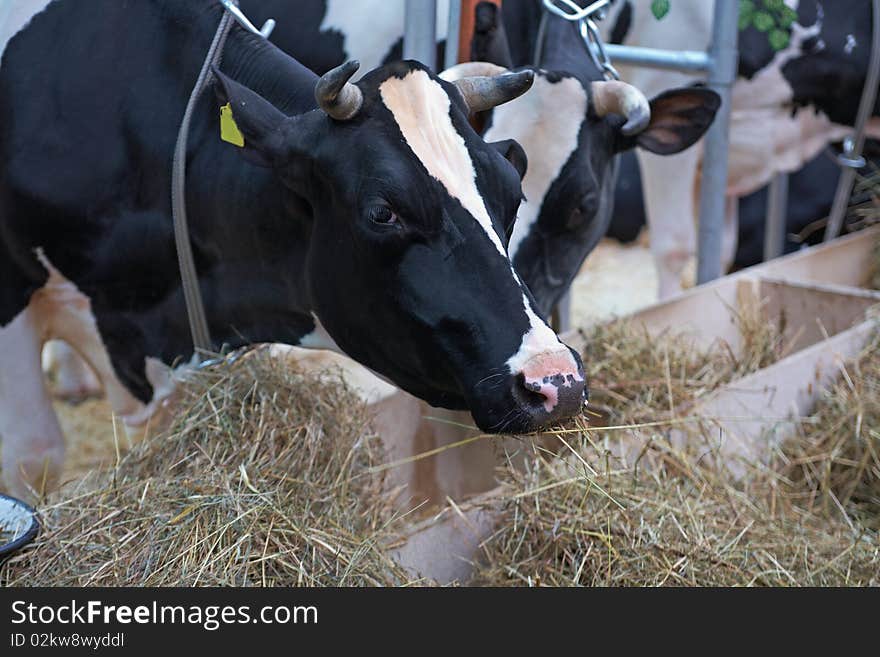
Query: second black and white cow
x=375, y=222
x=571, y=138
x=786, y=106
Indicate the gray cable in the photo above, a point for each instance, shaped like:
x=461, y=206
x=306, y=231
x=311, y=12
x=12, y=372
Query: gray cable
x=192, y=294
x=866, y=108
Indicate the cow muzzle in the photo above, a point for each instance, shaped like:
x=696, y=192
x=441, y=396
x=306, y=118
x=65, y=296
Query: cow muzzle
x=549, y=387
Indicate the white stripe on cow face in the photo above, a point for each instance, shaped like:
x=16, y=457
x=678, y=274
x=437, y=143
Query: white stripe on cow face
x=545, y=121
x=420, y=108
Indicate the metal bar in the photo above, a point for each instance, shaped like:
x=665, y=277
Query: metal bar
x=420, y=32
x=453, y=30
x=723, y=55
x=854, y=151
x=777, y=205
x=683, y=60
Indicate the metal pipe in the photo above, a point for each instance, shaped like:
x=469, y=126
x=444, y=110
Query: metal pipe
x=777, y=205
x=420, y=32
x=722, y=73
x=453, y=30
x=857, y=142
x=686, y=61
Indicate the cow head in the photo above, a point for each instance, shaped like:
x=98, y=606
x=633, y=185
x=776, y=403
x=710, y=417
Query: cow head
x=571, y=130
x=408, y=212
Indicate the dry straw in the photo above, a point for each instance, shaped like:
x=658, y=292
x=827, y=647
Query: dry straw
x=667, y=515
x=273, y=477
x=262, y=480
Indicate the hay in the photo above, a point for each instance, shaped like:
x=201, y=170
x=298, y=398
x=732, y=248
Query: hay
x=675, y=516
x=263, y=479
x=636, y=377
x=691, y=529
x=833, y=463
x=273, y=477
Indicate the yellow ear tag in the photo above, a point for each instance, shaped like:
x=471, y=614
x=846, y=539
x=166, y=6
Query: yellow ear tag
x=228, y=129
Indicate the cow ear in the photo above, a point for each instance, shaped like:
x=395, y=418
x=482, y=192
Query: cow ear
x=513, y=153
x=251, y=122
x=679, y=118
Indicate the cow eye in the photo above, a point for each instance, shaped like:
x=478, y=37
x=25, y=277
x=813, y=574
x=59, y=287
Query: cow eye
x=582, y=213
x=383, y=215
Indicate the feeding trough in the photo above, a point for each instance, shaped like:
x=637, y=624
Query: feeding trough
x=18, y=525
x=817, y=300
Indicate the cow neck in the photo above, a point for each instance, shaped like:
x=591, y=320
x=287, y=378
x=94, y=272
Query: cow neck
x=275, y=75
x=253, y=206
x=564, y=51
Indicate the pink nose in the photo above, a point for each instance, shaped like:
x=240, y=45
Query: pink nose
x=556, y=379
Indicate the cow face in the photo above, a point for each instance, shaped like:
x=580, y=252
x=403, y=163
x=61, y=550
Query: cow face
x=571, y=131
x=409, y=213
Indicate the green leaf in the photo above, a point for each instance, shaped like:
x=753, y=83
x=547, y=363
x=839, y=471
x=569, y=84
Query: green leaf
x=746, y=12
x=660, y=8
x=778, y=39
x=774, y=5
x=763, y=21
x=789, y=16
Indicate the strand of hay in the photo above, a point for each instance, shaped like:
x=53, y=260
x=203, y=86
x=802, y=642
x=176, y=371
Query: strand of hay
x=263, y=479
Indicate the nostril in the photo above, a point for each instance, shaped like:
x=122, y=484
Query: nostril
x=540, y=392
x=530, y=391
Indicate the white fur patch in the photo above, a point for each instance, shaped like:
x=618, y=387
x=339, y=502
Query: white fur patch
x=319, y=338
x=548, y=135
x=420, y=108
x=539, y=339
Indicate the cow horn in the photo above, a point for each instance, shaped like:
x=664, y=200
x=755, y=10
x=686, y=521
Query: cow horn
x=615, y=97
x=483, y=92
x=467, y=69
x=338, y=97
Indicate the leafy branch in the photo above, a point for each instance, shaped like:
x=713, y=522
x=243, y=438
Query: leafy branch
x=773, y=17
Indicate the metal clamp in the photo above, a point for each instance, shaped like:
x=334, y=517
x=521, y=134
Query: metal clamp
x=849, y=157
x=576, y=13
x=232, y=7
x=589, y=31
x=596, y=48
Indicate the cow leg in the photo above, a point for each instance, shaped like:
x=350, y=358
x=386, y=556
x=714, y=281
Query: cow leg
x=668, y=185
x=730, y=233
x=72, y=379
x=67, y=315
x=32, y=442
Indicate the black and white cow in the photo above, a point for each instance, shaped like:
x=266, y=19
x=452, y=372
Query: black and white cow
x=570, y=127
x=376, y=222
x=787, y=105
